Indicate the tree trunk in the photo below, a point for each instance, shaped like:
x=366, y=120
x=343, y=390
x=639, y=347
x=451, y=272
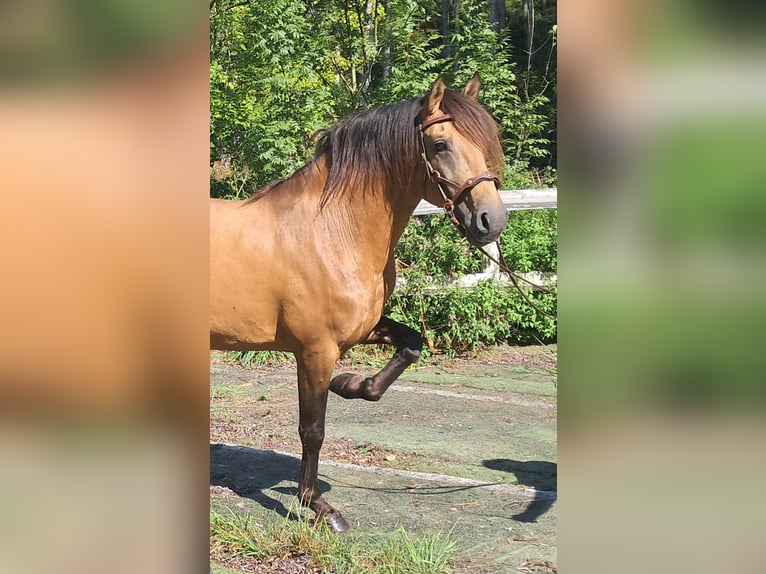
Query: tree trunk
x=528, y=12
x=387, y=50
x=445, y=28
x=497, y=14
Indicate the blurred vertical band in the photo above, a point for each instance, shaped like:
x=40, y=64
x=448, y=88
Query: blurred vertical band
x=662, y=279
x=103, y=290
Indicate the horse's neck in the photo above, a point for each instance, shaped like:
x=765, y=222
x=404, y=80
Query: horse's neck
x=404, y=207
x=375, y=221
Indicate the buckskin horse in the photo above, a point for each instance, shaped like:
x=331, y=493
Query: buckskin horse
x=306, y=264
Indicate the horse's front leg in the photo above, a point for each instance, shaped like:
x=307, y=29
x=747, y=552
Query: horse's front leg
x=314, y=372
x=408, y=343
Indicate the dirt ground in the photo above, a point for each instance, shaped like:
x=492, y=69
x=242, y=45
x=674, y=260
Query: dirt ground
x=466, y=444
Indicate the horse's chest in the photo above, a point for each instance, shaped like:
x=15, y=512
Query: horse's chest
x=358, y=306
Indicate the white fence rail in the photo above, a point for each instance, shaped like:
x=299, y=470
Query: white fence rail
x=514, y=200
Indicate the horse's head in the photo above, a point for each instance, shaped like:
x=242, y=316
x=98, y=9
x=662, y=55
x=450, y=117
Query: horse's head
x=460, y=141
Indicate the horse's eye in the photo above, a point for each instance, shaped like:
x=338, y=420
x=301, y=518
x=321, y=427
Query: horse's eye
x=440, y=146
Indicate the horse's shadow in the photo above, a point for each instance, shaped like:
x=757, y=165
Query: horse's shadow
x=540, y=475
x=250, y=473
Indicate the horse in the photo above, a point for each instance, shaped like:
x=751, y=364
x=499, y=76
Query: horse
x=306, y=264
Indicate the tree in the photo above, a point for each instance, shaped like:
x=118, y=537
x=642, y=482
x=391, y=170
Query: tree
x=282, y=70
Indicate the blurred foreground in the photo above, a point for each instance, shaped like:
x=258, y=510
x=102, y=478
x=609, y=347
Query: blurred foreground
x=662, y=276
x=103, y=242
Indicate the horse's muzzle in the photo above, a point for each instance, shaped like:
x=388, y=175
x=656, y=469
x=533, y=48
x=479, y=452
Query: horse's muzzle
x=486, y=224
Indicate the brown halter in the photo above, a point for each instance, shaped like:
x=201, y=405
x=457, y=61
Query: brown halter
x=460, y=191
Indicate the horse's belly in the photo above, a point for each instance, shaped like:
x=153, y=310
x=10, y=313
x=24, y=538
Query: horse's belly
x=243, y=311
x=292, y=323
x=241, y=323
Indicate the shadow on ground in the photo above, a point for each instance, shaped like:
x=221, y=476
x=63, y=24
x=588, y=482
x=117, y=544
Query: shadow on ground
x=250, y=473
x=538, y=474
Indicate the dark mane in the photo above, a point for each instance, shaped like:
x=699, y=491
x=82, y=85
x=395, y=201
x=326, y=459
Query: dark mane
x=370, y=150
x=379, y=148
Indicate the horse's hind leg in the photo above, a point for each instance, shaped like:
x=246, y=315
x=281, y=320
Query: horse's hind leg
x=314, y=372
x=408, y=344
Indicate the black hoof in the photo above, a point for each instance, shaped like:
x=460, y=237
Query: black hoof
x=337, y=523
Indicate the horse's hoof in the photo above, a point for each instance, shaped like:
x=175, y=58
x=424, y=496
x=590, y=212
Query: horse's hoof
x=337, y=523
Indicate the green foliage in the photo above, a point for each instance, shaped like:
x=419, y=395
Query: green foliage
x=431, y=246
x=412, y=55
x=405, y=554
x=256, y=358
x=456, y=319
x=479, y=48
x=530, y=241
x=537, y=73
x=266, y=97
x=437, y=249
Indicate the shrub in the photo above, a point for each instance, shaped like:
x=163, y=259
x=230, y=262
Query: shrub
x=456, y=319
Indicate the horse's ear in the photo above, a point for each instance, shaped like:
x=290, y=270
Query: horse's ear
x=433, y=100
x=471, y=89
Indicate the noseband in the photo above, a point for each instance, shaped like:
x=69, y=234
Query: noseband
x=459, y=192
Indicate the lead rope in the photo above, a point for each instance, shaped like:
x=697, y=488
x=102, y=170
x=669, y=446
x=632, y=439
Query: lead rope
x=500, y=262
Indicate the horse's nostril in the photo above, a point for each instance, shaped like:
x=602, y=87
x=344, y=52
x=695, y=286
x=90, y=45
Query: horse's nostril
x=484, y=222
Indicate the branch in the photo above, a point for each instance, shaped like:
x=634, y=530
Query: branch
x=229, y=5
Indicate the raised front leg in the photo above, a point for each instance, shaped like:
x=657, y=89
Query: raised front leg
x=314, y=372
x=408, y=344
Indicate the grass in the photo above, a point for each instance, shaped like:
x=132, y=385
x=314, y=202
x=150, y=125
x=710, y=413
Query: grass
x=256, y=358
x=220, y=391
x=235, y=534
x=361, y=356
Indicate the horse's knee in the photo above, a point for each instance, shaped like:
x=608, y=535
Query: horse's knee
x=414, y=341
x=312, y=436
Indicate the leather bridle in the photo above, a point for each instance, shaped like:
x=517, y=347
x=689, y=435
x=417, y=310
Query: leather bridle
x=459, y=191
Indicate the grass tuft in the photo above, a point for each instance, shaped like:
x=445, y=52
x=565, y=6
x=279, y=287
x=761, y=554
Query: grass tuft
x=239, y=535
